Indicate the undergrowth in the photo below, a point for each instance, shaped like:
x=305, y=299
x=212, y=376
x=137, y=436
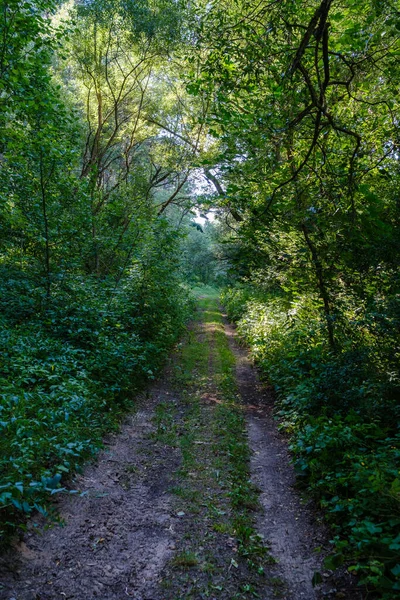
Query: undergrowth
x=342, y=414
x=69, y=371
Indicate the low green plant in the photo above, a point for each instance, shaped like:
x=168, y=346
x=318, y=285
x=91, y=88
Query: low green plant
x=70, y=370
x=185, y=560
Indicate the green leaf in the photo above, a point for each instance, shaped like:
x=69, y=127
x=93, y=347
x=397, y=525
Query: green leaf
x=396, y=570
x=333, y=561
x=317, y=578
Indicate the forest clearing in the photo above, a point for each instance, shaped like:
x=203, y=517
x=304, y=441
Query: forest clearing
x=199, y=299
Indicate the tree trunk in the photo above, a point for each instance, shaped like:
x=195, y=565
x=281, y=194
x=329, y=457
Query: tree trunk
x=46, y=226
x=319, y=272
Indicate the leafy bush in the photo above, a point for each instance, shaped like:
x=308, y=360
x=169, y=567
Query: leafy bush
x=341, y=411
x=70, y=369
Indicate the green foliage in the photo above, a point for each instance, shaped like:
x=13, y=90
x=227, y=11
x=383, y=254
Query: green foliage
x=201, y=255
x=91, y=296
x=340, y=412
x=70, y=370
x=159, y=23
x=305, y=113
x=294, y=118
x=352, y=467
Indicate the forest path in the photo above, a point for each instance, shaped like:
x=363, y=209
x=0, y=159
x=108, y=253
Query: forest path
x=170, y=510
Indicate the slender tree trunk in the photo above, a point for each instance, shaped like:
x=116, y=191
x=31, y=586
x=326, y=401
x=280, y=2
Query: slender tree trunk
x=96, y=261
x=318, y=268
x=43, y=185
x=319, y=272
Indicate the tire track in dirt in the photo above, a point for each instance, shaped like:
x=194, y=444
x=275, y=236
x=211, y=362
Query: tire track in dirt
x=117, y=537
x=285, y=524
x=292, y=530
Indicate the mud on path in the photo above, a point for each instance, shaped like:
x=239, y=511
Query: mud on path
x=163, y=513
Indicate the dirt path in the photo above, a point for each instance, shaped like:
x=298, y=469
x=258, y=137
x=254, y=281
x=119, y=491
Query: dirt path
x=170, y=509
x=297, y=537
x=288, y=526
x=117, y=535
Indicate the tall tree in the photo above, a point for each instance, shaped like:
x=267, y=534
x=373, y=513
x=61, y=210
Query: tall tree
x=305, y=109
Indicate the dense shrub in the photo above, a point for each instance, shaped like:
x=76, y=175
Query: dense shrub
x=70, y=369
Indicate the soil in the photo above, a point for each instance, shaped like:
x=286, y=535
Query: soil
x=122, y=534
x=117, y=536
x=291, y=524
